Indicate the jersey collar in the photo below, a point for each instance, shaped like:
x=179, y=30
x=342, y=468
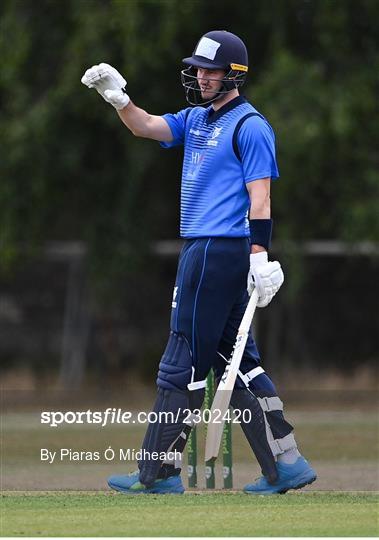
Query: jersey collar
x=213, y=115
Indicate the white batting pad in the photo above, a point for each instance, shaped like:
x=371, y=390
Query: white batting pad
x=207, y=48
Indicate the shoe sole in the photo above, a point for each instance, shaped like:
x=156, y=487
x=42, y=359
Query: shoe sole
x=300, y=485
x=151, y=492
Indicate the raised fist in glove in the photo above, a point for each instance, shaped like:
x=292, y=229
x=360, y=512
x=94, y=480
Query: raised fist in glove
x=110, y=84
x=267, y=277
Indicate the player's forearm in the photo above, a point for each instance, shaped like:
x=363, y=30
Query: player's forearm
x=260, y=209
x=260, y=201
x=260, y=206
x=136, y=119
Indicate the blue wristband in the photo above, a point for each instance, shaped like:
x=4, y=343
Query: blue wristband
x=260, y=232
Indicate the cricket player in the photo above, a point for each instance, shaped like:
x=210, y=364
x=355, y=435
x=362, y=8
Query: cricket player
x=225, y=222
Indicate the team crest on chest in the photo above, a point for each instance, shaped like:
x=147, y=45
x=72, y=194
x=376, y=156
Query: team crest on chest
x=215, y=133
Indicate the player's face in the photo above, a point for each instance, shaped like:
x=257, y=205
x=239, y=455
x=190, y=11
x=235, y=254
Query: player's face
x=209, y=81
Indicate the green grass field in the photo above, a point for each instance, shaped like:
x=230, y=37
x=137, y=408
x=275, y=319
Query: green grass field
x=216, y=514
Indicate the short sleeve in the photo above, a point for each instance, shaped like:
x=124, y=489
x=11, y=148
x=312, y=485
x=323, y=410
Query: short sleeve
x=256, y=143
x=177, y=125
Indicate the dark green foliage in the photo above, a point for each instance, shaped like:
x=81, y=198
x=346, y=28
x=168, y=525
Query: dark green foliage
x=70, y=170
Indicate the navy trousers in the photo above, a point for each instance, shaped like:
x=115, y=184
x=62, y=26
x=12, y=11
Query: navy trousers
x=208, y=304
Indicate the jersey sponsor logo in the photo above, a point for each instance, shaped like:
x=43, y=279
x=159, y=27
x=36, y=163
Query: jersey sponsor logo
x=195, y=132
x=196, y=157
x=173, y=303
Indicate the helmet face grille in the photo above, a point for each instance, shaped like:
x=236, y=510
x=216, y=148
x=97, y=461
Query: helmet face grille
x=233, y=79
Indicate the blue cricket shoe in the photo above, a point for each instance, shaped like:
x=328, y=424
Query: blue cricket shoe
x=294, y=476
x=130, y=485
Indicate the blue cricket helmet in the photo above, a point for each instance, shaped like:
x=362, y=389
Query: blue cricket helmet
x=218, y=49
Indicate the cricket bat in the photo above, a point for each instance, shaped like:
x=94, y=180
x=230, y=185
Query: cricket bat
x=225, y=388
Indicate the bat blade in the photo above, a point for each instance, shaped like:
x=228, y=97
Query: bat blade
x=215, y=427
x=225, y=388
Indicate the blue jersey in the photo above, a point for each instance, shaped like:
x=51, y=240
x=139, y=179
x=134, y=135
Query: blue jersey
x=218, y=162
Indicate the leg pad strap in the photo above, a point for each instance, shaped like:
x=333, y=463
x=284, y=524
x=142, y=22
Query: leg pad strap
x=279, y=446
x=269, y=404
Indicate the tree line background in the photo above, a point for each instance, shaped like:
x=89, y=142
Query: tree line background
x=71, y=172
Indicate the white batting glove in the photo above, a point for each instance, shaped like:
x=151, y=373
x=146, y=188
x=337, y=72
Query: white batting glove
x=110, y=84
x=267, y=277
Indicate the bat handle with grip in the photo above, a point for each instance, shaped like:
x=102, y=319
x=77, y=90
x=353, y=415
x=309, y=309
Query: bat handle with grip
x=249, y=312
